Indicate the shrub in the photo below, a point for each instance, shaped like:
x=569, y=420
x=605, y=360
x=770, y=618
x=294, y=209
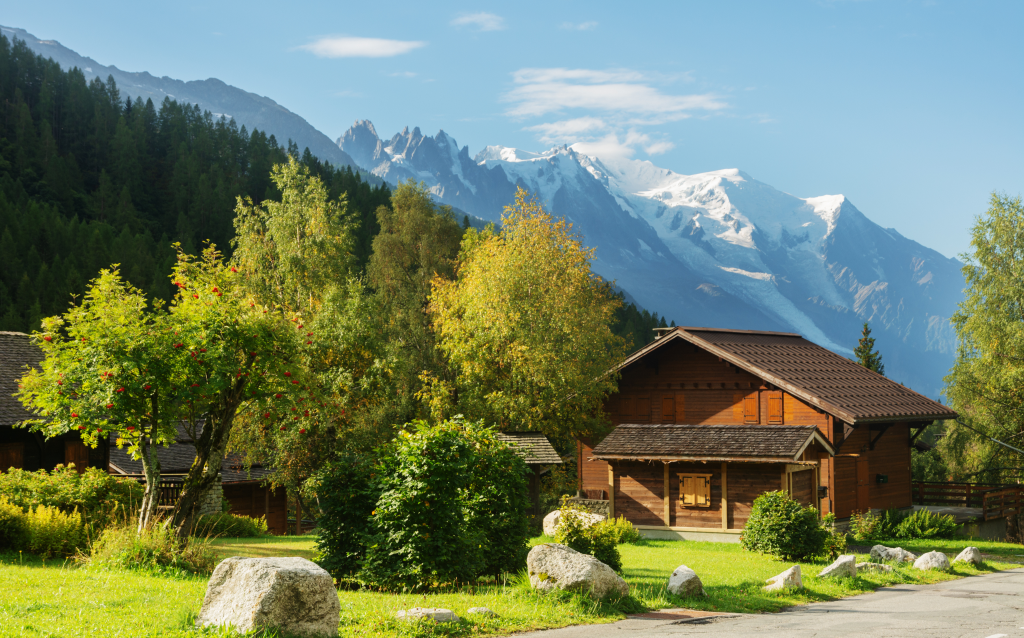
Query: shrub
x=13, y=526
x=156, y=548
x=223, y=524
x=100, y=498
x=623, y=530
x=51, y=532
x=835, y=541
x=781, y=527
x=347, y=493
x=926, y=524
x=864, y=526
x=600, y=541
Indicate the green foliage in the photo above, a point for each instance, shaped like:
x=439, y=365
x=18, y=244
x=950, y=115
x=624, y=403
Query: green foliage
x=101, y=498
x=51, y=532
x=347, y=492
x=623, y=530
x=636, y=326
x=231, y=525
x=600, y=541
x=865, y=351
x=927, y=524
x=420, y=534
x=155, y=549
x=986, y=383
x=835, y=540
x=13, y=532
x=781, y=527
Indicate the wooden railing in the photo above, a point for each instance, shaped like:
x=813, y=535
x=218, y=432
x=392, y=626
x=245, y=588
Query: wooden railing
x=169, y=488
x=995, y=501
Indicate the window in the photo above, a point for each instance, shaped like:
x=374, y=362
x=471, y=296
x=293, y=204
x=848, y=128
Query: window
x=695, y=490
x=643, y=409
x=775, y=408
x=751, y=409
x=627, y=408
x=668, y=409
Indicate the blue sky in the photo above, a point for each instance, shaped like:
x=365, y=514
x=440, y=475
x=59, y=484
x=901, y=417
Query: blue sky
x=911, y=109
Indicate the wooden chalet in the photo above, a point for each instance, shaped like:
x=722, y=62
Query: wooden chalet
x=705, y=420
x=537, y=451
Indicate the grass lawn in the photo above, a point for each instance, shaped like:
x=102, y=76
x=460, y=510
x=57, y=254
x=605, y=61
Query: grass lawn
x=1012, y=551
x=48, y=599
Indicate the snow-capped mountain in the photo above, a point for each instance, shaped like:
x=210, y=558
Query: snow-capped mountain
x=712, y=249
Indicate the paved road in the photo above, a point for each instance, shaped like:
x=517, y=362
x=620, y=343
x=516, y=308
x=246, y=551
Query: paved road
x=987, y=606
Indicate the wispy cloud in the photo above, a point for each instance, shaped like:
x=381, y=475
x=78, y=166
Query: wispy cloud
x=481, y=21
x=578, y=26
x=402, y=74
x=349, y=47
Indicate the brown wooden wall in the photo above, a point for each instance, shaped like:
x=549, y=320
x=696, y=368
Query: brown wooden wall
x=890, y=456
x=251, y=499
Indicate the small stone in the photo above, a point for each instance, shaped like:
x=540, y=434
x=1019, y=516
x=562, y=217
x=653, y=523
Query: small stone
x=874, y=567
x=883, y=554
x=481, y=611
x=969, y=555
x=433, y=613
x=932, y=560
x=555, y=566
x=789, y=579
x=685, y=582
x=844, y=566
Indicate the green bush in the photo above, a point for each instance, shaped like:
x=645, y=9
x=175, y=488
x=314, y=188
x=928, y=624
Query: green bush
x=156, y=549
x=51, y=532
x=99, y=497
x=781, y=527
x=835, y=541
x=347, y=493
x=233, y=525
x=926, y=524
x=600, y=541
x=13, y=526
x=623, y=530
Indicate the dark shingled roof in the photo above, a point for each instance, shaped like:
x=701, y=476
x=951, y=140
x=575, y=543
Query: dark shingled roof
x=16, y=352
x=817, y=375
x=780, y=443
x=534, y=447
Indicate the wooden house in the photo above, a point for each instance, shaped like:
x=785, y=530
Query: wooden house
x=537, y=451
x=705, y=420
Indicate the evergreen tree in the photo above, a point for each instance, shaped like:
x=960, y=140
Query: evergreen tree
x=865, y=351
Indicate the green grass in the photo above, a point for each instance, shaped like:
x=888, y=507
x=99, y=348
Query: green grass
x=54, y=599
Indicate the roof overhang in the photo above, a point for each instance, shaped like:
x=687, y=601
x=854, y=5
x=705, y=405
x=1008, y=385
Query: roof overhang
x=813, y=436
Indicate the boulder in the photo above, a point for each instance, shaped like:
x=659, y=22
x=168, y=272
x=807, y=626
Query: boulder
x=685, y=582
x=552, y=520
x=881, y=553
x=970, y=555
x=932, y=560
x=293, y=595
x=433, y=613
x=874, y=567
x=844, y=566
x=789, y=579
x=554, y=566
x=481, y=611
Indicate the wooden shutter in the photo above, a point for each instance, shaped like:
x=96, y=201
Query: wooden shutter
x=775, y=408
x=12, y=455
x=668, y=409
x=680, y=407
x=76, y=452
x=695, y=490
x=687, y=491
x=703, y=490
x=627, y=408
x=643, y=409
x=751, y=409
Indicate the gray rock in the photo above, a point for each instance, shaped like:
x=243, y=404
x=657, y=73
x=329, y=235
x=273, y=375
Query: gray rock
x=481, y=611
x=789, y=579
x=874, y=567
x=932, y=560
x=293, y=595
x=881, y=553
x=554, y=566
x=554, y=519
x=969, y=555
x=844, y=566
x=685, y=582
x=433, y=613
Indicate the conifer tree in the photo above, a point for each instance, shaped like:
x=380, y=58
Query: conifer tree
x=865, y=351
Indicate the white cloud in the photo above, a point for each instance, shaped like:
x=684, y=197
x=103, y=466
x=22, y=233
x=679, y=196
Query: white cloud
x=622, y=91
x=403, y=74
x=568, y=131
x=347, y=47
x=481, y=21
x=581, y=26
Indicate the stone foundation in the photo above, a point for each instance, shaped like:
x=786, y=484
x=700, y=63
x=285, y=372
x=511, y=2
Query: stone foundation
x=591, y=505
x=213, y=502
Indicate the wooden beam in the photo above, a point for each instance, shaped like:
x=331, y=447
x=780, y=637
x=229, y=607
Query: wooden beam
x=882, y=429
x=668, y=499
x=611, y=491
x=725, y=497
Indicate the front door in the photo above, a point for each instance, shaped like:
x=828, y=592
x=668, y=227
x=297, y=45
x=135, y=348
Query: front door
x=863, y=485
x=76, y=452
x=12, y=455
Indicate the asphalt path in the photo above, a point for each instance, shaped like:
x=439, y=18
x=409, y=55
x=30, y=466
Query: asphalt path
x=987, y=606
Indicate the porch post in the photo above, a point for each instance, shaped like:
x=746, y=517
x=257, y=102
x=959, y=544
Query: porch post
x=725, y=498
x=668, y=500
x=611, y=491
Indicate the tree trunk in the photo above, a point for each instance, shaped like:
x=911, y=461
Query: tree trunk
x=151, y=468
x=205, y=471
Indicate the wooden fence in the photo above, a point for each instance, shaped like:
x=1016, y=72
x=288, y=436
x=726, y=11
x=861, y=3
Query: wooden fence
x=169, y=488
x=995, y=501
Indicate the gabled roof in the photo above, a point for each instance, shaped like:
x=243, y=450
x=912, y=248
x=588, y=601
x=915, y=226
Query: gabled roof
x=533, y=447
x=16, y=352
x=817, y=375
x=752, y=443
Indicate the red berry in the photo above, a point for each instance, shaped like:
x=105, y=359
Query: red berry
x=215, y=289
x=295, y=382
x=296, y=418
x=300, y=326
x=149, y=387
x=120, y=389
x=81, y=427
x=252, y=354
x=277, y=396
x=293, y=409
x=309, y=334
x=60, y=383
x=233, y=269
x=306, y=413
x=47, y=338
x=110, y=405
x=309, y=343
x=266, y=415
x=195, y=296
x=74, y=415
x=302, y=431
x=287, y=374
x=131, y=428
x=283, y=428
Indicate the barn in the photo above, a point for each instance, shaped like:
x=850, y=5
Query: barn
x=705, y=420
